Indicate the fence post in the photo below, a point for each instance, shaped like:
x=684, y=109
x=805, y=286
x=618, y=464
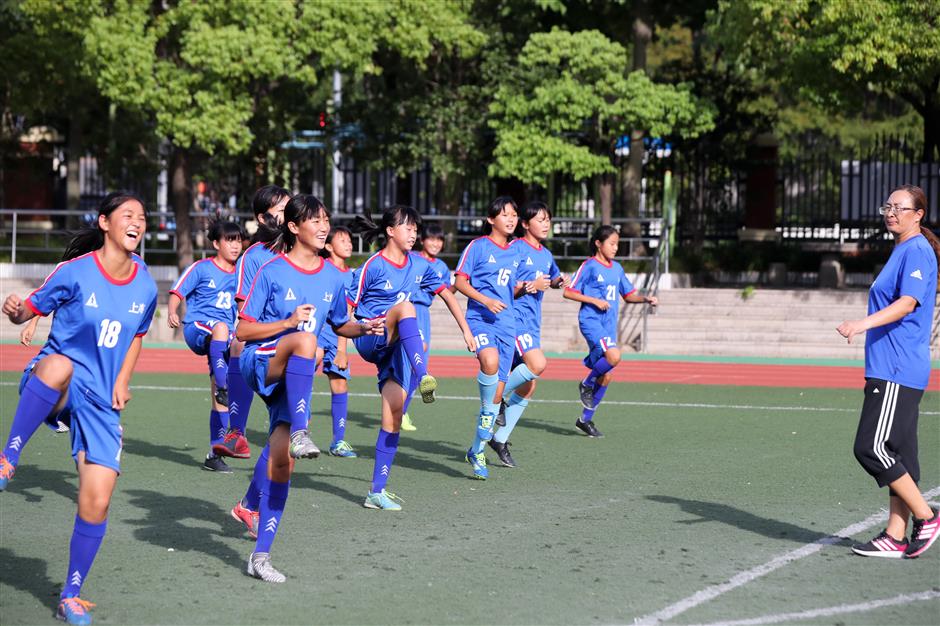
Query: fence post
x=13, y=242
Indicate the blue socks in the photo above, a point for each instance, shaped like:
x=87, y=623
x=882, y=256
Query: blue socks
x=600, y=368
x=273, y=500
x=410, y=338
x=218, y=424
x=298, y=383
x=385, y=448
x=588, y=414
x=239, y=396
x=217, y=363
x=339, y=406
x=518, y=377
x=36, y=402
x=514, y=409
x=259, y=482
x=86, y=539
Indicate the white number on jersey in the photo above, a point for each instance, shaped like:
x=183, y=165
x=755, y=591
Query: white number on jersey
x=223, y=300
x=108, y=336
x=503, y=278
x=525, y=341
x=611, y=292
x=308, y=325
x=402, y=296
x=481, y=340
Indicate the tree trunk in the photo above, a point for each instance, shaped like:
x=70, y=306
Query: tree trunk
x=606, y=193
x=931, y=128
x=73, y=189
x=181, y=198
x=632, y=181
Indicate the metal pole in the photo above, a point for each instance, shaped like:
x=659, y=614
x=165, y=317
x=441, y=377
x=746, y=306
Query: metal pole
x=13, y=251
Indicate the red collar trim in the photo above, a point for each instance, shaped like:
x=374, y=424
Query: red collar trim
x=300, y=269
x=222, y=269
x=611, y=264
x=342, y=269
x=391, y=262
x=112, y=279
x=506, y=247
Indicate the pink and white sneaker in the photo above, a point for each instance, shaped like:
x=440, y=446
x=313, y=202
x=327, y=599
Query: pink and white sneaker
x=923, y=534
x=884, y=546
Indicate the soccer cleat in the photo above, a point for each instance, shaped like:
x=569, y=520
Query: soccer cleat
x=343, y=449
x=247, y=517
x=923, y=533
x=587, y=395
x=214, y=463
x=61, y=427
x=7, y=470
x=302, y=447
x=502, y=451
x=588, y=428
x=259, y=566
x=74, y=611
x=383, y=500
x=478, y=461
x=485, y=426
x=234, y=445
x=221, y=396
x=501, y=416
x=242, y=449
x=427, y=386
x=884, y=546
x=406, y=423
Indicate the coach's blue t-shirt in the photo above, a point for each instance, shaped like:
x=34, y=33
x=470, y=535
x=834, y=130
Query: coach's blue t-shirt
x=900, y=352
x=209, y=292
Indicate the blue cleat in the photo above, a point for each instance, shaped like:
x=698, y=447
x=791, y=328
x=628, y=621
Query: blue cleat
x=485, y=426
x=478, y=461
x=382, y=500
x=343, y=449
x=74, y=611
x=7, y=470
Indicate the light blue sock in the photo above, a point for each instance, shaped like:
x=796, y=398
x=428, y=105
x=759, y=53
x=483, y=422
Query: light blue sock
x=519, y=376
x=487, y=384
x=514, y=409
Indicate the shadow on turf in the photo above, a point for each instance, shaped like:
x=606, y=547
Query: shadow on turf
x=772, y=528
x=29, y=575
x=29, y=479
x=188, y=457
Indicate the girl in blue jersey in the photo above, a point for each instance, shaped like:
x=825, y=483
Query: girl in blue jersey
x=290, y=300
x=537, y=272
x=598, y=286
x=385, y=286
x=208, y=287
x=104, y=300
x=432, y=241
x=486, y=274
x=331, y=350
x=897, y=369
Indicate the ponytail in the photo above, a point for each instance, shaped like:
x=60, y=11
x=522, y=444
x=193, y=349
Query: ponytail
x=364, y=226
x=268, y=229
x=92, y=237
x=919, y=200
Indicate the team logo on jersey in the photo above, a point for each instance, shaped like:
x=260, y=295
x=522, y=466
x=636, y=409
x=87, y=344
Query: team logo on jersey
x=327, y=297
x=600, y=279
x=388, y=285
x=528, y=261
x=916, y=274
x=290, y=295
x=92, y=301
x=492, y=259
x=418, y=279
x=211, y=284
x=137, y=308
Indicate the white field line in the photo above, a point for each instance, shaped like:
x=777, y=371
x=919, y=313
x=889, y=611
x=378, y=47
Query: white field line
x=747, y=576
x=828, y=611
x=667, y=405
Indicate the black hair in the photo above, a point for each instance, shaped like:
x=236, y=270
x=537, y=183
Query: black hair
x=329, y=239
x=267, y=197
x=92, y=237
x=496, y=207
x=433, y=230
x=602, y=233
x=220, y=230
x=393, y=216
x=268, y=229
x=529, y=212
x=299, y=209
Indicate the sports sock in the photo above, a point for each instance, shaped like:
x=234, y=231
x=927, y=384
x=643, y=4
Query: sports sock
x=600, y=368
x=487, y=385
x=298, y=383
x=86, y=539
x=412, y=386
x=519, y=376
x=239, y=396
x=273, y=500
x=339, y=406
x=259, y=482
x=385, y=448
x=410, y=338
x=218, y=424
x=217, y=363
x=36, y=402
x=588, y=414
x=514, y=409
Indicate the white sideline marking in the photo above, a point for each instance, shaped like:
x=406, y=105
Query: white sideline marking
x=831, y=610
x=667, y=405
x=747, y=576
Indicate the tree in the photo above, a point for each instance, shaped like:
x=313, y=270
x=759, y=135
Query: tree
x=570, y=98
x=835, y=51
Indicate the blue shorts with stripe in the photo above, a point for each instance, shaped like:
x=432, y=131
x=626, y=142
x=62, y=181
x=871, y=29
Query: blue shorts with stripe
x=198, y=335
x=254, y=362
x=389, y=360
x=490, y=336
x=328, y=365
x=599, y=341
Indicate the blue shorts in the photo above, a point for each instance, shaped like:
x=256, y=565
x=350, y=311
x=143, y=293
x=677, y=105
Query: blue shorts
x=328, y=366
x=489, y=336
x=95, y=427
x=254, y=363
x=423, y=316
x=599, y=341
x=198, y=335
x=389, y=360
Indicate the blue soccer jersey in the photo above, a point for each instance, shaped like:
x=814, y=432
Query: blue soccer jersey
x=247, y=266
x=381, y=284
x=900, y=352
x=606, y=282
x=96, y=318
x=492, y=270
x=209, y=292
x=533, y=263
x=426, y=296
x=327, y=336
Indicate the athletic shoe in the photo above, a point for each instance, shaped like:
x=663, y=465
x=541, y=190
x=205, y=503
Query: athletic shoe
x=343, y=449
x=501, y=416
x=587, y=395
x=382, y=500
x=242, y=449
x=214, y=463
x=247, y=517
x=233, y=444
x=74, y=611
x=61, y=427
x=221, y=397
x=502, y=451
x=478, y=461
x=884, y=546
x=7, y=470
x=588, y=428
x=427, y=386
x=923, y=533
x=259, y=566
x=407, y=424
x=485, y=426
x=302, y=447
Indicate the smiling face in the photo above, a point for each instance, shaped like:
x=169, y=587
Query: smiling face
x=125, y=226
x=504, y=224
x=402, y=236
x=432, y=246
x=608, y=248
x=901, y=220
x=539, y=226
x=229, y=248
x=312, y=233
x=340, y=245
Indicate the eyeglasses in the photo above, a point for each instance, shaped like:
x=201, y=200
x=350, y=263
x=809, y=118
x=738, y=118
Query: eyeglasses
x=888, y=209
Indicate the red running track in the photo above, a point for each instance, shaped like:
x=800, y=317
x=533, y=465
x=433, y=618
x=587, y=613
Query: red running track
x=166, y=360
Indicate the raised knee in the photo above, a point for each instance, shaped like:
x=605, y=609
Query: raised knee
x=613, y=356
x=54, y=370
